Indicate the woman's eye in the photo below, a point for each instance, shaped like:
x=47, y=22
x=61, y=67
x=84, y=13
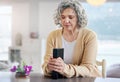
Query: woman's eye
x=70, y=17
x=63, y=17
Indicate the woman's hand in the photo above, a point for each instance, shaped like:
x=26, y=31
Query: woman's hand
x=56, y=64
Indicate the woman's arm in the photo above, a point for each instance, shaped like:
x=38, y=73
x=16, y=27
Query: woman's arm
x=48, y=54
x=87, y=66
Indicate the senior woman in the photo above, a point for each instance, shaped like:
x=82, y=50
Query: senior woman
x=79, y=43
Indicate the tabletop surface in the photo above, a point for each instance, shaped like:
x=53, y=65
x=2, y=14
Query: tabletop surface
x=36, y=77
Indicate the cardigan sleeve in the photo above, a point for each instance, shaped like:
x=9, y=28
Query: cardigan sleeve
x=48, y=54
x=87, y=67
x=53, y=41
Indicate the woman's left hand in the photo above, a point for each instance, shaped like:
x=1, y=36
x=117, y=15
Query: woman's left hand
x=56, y=64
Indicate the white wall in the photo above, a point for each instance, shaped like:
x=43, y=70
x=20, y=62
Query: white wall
x=46, y=23
x=20, y=20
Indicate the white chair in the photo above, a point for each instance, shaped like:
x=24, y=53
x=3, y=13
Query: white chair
x=103, y=64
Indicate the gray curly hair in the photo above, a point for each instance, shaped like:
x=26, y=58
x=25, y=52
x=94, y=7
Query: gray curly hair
x=74, y=4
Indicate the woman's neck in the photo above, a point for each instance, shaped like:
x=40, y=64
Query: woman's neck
x=70, y=35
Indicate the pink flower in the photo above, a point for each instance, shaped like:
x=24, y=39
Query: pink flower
x=27, y=69
x=13, y=69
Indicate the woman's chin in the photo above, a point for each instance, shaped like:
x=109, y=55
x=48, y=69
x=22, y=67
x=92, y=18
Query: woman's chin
x=70, y=28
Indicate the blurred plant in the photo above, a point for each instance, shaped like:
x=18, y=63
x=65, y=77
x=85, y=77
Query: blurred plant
x=22, y=69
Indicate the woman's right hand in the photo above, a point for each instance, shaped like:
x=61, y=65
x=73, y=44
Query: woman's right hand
x=56, y=64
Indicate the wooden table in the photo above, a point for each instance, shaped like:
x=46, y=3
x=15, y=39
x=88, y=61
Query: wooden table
x=36, y=77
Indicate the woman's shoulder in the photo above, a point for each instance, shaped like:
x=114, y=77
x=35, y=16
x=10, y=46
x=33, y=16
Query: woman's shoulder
x=55, y=32
x=88, y=31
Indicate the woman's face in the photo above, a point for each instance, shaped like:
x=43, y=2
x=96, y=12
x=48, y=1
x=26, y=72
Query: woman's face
x=69, y=19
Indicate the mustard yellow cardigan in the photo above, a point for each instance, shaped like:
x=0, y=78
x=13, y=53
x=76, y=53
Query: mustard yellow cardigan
x=85, y=51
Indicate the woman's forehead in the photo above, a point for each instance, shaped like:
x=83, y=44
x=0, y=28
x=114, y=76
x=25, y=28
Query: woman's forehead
x=68, y=11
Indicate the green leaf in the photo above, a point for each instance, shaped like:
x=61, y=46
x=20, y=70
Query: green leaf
x=23, y=64
x=19, y=69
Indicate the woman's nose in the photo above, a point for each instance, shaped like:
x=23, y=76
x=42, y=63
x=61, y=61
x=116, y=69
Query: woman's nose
x=67, y=20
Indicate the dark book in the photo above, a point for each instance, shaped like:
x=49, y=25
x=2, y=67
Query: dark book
x=57, y=52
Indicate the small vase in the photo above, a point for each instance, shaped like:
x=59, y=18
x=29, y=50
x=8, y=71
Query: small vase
x=20, y=74
x=21, y=77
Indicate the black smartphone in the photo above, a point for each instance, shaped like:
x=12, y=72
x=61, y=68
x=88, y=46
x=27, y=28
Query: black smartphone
x=57, y=52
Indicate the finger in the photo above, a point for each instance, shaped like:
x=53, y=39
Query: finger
x=51, y=57
x=54, y=63
x=57, y=69
x=59, y=58
x=54, y=67
x=59, y=66
x=53, y=60
x=50, y=67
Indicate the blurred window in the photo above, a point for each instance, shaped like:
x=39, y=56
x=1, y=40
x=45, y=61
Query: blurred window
x=105, y=21
x=5, y=31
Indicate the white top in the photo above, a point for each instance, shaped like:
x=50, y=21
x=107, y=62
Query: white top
x=68, y=50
